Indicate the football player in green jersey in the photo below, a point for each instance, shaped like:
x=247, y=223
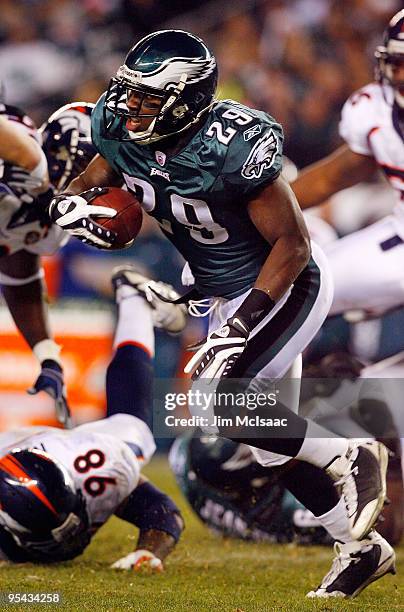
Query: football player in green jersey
x=210, y=173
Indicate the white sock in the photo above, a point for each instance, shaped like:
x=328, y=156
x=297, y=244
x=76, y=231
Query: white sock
x=135, y=324
x=319, y=448
x=335, y=521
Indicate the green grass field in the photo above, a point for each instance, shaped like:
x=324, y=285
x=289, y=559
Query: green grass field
x=204, y=574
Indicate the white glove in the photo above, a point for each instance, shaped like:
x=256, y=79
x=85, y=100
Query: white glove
x=139, y=561
x=74, y=214
x=219, y=351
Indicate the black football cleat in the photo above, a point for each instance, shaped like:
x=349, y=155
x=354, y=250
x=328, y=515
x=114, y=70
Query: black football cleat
x=361, y=473
x=356, y=565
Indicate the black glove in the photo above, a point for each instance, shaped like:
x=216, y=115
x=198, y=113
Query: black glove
x=75, y=214
x=51, y=381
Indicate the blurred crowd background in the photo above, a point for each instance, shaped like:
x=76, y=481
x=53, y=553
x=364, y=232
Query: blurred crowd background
x=296, y=59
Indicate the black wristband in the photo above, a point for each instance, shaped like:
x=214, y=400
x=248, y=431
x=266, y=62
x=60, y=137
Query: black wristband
x=255, y=307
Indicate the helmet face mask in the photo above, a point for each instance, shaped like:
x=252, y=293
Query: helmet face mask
x=40, y=508
x=119, y=93
x=172, y=72
x=67, y=142
x=390, y=56
x=62, y=543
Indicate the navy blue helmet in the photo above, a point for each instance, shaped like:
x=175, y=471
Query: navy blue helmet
x=391, y=54
x=40, y=507
x=173, y=67
x=67, y=142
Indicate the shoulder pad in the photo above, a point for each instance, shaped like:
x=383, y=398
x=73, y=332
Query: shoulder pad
x=360, y=114
x=254, y=153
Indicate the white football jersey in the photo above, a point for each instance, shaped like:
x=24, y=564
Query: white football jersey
x=20, y=228
x=104, y=458
x=370, y=126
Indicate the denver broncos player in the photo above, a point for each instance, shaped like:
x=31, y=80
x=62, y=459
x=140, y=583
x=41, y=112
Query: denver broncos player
x=57, y=487
x=367, y=266
x=209, y=172
x=26, y=232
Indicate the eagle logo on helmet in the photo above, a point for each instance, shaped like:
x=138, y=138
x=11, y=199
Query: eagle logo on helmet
x=170, y=72
x=261, y=157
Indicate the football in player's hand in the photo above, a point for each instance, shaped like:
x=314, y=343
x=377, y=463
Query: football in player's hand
x=128, y=220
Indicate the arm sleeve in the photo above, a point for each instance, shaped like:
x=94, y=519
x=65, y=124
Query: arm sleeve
x=149, y=508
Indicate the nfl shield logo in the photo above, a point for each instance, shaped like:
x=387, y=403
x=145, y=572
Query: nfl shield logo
x=160, y=158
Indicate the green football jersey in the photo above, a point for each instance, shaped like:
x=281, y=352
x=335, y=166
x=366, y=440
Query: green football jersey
x=199, y=196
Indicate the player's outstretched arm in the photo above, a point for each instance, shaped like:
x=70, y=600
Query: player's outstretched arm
x=340, y=170
x=160, y=525
x=22, y=286
x=27, y=162
x=17, y=147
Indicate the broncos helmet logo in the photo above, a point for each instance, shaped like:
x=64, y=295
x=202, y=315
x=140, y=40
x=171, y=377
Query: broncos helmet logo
x=170, y=72
x=261, y=157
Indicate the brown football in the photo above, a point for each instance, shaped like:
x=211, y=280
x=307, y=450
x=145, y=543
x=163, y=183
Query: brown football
x=128, y=220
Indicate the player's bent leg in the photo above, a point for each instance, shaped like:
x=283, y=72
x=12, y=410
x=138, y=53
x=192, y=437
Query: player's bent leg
x=272, y=351
x=355, y=566
x=129, y=383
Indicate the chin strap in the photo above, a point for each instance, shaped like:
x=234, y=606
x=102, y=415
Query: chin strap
x=175, y=95
x=195, y=120
x=186, y=127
